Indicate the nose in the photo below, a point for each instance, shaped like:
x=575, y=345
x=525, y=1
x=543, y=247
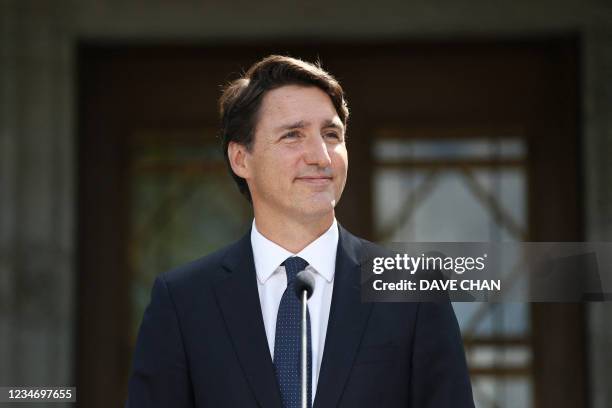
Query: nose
x=316, y=152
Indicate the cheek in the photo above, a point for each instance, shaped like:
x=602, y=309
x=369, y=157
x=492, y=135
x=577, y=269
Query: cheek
x=340, y=158
x=278, y=169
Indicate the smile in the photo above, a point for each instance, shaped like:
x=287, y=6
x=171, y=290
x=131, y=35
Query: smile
x=315, y=180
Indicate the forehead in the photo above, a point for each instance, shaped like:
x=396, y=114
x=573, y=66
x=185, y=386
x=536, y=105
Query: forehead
x=296, y=103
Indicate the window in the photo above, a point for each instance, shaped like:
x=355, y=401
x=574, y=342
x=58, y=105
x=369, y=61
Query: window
x=182, y=207
x=463, y=185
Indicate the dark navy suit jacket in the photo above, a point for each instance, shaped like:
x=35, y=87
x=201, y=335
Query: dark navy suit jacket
x=202, y=343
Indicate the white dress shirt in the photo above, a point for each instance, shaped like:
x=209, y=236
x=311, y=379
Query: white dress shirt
x=272, y=282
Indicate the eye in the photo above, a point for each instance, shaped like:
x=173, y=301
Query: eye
x=291, y=135
x=332, y=135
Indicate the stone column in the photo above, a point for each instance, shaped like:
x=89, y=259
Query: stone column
x=598, y=199
x=37, y=205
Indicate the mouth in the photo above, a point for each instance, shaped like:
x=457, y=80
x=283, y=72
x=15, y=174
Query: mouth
x=315, y=180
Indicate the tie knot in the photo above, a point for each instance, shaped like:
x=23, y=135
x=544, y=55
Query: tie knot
x=294, y=265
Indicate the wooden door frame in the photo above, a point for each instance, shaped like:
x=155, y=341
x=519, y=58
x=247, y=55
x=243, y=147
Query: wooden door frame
x=104, y=124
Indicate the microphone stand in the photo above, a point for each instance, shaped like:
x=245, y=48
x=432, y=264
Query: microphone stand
x=304, y=286
x=304, y=350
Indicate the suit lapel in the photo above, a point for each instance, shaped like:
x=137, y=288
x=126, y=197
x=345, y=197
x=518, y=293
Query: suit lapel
x=347, y=321
x=238, y=299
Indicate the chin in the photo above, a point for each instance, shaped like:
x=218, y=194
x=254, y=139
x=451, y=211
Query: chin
x=318, y=209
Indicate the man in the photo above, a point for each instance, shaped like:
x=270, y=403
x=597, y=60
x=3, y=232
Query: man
x=222, y=331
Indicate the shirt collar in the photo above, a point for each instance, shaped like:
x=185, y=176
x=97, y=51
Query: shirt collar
x=320, y=254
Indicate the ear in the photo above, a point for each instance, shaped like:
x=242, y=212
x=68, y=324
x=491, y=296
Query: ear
x=238, y=155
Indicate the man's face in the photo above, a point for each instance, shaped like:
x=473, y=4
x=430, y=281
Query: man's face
x=298, y=163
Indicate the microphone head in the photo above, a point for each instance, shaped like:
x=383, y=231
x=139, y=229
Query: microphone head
x=304, y=281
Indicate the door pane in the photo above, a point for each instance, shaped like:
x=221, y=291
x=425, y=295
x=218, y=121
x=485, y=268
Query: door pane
x=464, y=189
x=182, y=206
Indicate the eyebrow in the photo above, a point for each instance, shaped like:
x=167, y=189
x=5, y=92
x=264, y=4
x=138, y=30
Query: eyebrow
x=301, y=124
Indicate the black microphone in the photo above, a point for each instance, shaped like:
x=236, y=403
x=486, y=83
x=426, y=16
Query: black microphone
x=304, y=286
x=304, y=281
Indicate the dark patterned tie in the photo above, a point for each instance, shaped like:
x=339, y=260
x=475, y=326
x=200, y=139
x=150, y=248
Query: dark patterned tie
x=287, y=342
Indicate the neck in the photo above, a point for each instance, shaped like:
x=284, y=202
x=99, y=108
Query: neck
x=290, y=233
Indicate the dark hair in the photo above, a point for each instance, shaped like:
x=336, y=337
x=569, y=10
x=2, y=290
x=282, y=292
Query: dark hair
x=241, y=99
